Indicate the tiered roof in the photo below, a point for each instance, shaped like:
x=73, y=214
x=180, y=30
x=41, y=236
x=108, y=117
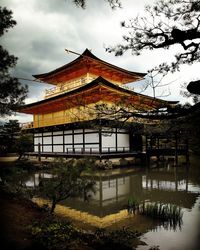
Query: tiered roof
x=97, y=90
x=89, y=63
x=103, y=88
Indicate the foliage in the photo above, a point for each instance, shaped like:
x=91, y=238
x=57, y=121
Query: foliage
x=161, y=211
x=170, y=214
x=116, y=239
x=133, y=205
x=12, y=180
x=122, y=112
x=12, y=93
x=52, y=233
x=6, y=20
x=104, y=165
x=12, y=141
x=194, y=88
x=188, y=94
x=166, y=23
x=113, y=3
x=24, y=143
x=8, y=134
x=67, y=181
x=192, y=129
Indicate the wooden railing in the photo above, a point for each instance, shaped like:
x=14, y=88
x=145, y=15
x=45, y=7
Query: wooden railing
x=61, y=88
x=95, y=150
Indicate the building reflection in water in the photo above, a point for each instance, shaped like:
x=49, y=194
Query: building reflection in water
x=164, y=185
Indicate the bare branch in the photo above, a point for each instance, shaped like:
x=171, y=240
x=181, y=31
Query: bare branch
x=166, y=23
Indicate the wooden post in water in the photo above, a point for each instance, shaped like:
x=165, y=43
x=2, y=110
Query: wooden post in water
x=158, y=146
x=148, y=151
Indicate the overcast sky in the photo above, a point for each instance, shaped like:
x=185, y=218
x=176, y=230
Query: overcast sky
x=46, y=27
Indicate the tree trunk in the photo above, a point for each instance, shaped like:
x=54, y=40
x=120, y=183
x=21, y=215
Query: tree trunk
x=20, y=156
x=53, y=206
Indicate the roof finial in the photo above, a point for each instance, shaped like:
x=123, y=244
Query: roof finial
x=73, y=52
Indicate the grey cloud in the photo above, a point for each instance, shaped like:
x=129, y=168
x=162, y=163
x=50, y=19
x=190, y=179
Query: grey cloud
x=46, y=27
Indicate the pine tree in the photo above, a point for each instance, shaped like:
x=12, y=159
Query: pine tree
x=12, y=93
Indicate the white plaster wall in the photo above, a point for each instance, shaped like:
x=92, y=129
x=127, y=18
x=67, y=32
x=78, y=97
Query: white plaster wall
x=57, y=148
x=38, y=134
x=94, y=147
x=35, y=148
x=108, y=141
x=47, y=140
x=123, y=141
x=68, y=138
x=78, y=138
x=58, y=140
x=58, y=133
x=78, y=148
x=69, y=147
x=36, y=140
x=47, y=148
x=91, y=138
x=47, y=133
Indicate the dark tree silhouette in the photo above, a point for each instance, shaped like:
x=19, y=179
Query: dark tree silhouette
x=166, y=23
x=113, y=3
x=12, y=93
x=8, y=134
x=67, y=181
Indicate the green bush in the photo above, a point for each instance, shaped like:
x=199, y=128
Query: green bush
x=53, y=233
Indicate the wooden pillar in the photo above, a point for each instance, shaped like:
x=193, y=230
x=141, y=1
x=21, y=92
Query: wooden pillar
x=100, y=192
x=147, y=153
x=176, y=180
x=100, y=143
x=116, y=189
x=176, y=149
x=73, y=148
x=158, y=145
x=83, y=140
x=116, y=142
x=187, y=152
x=63, y=140
x=39, y=151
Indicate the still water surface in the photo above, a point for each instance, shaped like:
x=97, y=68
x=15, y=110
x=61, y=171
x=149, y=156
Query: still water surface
x=168, y=184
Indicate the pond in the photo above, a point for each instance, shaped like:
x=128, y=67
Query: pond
x=166, y=184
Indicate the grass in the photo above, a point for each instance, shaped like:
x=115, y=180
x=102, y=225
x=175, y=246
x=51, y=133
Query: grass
x=170, y=214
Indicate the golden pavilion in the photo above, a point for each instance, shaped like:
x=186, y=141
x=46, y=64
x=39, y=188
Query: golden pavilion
x=67, y=123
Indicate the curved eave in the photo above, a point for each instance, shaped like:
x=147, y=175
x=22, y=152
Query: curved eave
x=89, y=55
x=29, y=108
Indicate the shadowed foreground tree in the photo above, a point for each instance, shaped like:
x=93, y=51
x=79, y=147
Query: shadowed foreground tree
x=113, y=3
x=166, y=23
x=8, y=134
x=12, y=93
x=24, y=143
x=67, y=181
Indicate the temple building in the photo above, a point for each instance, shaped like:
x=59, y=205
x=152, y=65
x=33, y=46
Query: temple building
x=67, y=121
